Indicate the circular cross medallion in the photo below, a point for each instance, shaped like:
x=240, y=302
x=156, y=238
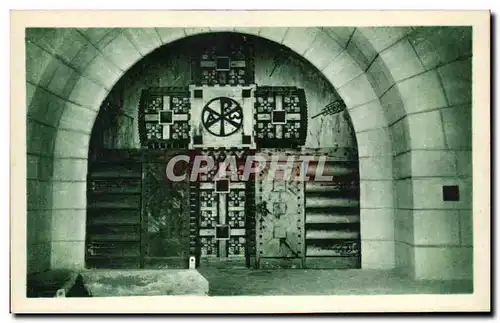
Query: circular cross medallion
x=222, y=116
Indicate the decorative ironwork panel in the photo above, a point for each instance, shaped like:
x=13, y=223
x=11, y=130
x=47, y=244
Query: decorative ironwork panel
x=223, y=212
x=236, y=246
x=164, y=115
x=280, y=117
x=222, y=117
x=209, y=246
x=223, y=61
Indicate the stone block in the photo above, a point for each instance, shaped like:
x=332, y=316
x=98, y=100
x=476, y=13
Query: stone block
x=221, y=29
x=402, y=165
x=41, y=138
x=145, y=282
x=439, y=45
x=49, y=107
x=393, y=105
x=379, y=76
x=368, y=116
x=38, y=228
x=428, y=193
x=377, y=224
x=63, y=79
x=37, y=63
x=403, y=226
x=68, y=254
x=145, y=39
x=68, y=225
x=84, y=56
x=436, y=227
x=255, y=30
x=422, y=92
x=50, y=39
x=38, y=167
x=433, y=163
x=122, y=52
x=322, y=51
x=38, y=257
x=88, y=93
x=443, y=263
x=375, y=142
x=196, y=31
x=466, y=228
x=377, y=254
x=72, y=45
x=341, y=35
x=402, y=51
x=400, y=136
x=168, y=35
x=32, y=166
x=39, y=195
x=383, y=37
x=30, y=92
x=69, y=195
x=361, y=49
x=276, y=34
x=75, y=117
x=70, y=169
x=375, y=168
x=464, y=162
x=103, y=71
x=300, y=39
x=376, y=194
x=426, y=130
x=457, y=124
x=342, y=69
x=357, y=91
x=403, y=191
x=71, y=144
x=405, y=259
x=95, y=35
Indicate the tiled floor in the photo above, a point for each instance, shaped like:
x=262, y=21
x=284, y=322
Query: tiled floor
x=321, y=282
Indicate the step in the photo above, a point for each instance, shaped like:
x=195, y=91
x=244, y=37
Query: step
x=118, y=156
x=114, y=220
x=123, y=237
x=113, y=205
x=331, y=218
x=331, y=169
x=116, y=174
x=328, y=201
x=315, y=251
x=332, y=234
x=318, y=188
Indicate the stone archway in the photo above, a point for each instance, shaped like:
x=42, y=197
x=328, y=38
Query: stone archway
x=363, y=64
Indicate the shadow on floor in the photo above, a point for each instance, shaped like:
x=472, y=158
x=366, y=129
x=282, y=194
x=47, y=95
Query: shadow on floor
x=240, y=281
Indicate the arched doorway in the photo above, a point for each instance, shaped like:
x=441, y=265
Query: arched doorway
x=135, y=219
x=376, y=71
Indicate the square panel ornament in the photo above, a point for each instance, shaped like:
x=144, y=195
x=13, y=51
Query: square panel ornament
x=222, y=117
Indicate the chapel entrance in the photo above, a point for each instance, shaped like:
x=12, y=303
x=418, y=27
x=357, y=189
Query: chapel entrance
x=238, y=221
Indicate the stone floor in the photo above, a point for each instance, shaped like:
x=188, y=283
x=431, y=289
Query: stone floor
x=241, y=281
x=321, y=282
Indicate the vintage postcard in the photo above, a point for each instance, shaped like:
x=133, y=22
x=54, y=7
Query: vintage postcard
x=250, y=162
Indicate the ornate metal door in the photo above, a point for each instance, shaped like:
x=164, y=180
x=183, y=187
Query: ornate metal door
x=224, y=211
x=222, y=227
